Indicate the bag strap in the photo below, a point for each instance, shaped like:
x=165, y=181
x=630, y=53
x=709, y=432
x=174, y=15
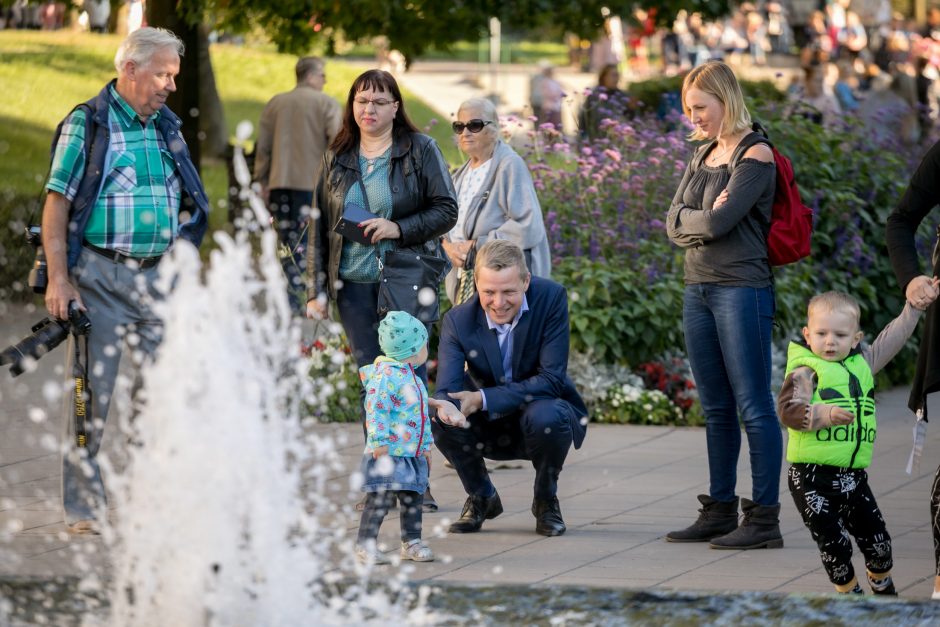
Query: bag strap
x=89, y=143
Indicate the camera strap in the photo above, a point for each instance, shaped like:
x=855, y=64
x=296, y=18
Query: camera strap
x=81, y=402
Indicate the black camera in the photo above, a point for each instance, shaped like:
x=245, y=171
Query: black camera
x=46, y=335
x=39, y=274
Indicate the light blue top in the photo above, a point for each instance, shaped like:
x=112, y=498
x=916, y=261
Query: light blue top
x=357, y=262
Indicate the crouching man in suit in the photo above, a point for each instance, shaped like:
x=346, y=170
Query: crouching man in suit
x=503, y=357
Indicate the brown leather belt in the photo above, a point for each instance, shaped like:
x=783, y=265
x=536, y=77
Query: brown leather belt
x=142, y=263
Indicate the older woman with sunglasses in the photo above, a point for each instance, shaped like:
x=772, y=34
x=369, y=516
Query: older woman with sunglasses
x=495, y=198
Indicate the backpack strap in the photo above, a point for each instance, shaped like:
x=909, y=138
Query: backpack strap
x=89, y=142
x=699, y=155
x=758, y=135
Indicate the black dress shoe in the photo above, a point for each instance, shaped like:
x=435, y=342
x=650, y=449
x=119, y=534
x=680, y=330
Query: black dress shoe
x=548, y=520
x=475, y=510
x=429, y=505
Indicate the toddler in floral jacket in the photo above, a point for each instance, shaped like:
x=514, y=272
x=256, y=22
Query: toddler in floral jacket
x=395, y=462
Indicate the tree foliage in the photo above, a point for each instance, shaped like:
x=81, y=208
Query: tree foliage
x=414, y=25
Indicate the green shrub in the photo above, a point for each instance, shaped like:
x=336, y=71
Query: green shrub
x=616, y=316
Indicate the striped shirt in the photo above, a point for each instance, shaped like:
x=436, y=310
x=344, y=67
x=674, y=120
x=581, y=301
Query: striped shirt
x=358, y=262
x=137, y=209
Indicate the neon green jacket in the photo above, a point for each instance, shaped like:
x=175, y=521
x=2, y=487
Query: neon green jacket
x=850, y=385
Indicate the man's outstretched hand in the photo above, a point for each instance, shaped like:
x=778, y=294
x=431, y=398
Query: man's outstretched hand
x=448, y=413
x=470, y=402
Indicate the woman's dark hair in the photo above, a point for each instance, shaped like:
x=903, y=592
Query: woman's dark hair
x=607, y=69
x=377, y=80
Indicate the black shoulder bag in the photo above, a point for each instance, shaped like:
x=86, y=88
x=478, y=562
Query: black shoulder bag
x=410, y=277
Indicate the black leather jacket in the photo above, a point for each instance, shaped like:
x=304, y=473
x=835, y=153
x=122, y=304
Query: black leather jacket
x=424, y=204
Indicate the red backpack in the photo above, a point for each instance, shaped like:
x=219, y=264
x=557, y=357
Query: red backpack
x=791, y=222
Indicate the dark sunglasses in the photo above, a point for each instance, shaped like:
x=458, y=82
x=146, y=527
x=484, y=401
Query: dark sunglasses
x=474, y=126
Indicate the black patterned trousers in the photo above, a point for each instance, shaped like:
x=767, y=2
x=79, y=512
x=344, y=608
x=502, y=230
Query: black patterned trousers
x=935, y=518
x=837, y=503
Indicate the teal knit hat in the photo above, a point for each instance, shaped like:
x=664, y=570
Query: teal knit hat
x=401, y=335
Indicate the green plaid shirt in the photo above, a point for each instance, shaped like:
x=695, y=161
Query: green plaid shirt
x=137, y=210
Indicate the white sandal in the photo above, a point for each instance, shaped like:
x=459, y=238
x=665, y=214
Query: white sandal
x=416, y=551
x=371, y=555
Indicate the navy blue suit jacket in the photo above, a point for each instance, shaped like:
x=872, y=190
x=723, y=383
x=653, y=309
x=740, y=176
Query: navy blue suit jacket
x=469, y=357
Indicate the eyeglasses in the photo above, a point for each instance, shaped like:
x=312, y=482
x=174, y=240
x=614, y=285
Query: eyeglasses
x=378, y=102
x=474, y=126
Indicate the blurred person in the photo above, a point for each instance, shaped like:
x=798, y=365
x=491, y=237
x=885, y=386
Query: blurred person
x=382, y=163
x=845, y=87
x=295, y=131
x=606, y=101
x=721, y=218
x=853, y=37
x=99, y=11
x=496, y=199
x=110, y=216
x=889, y=112
x=547, y=96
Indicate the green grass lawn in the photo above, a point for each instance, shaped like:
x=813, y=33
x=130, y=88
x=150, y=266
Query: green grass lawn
x=45, y=74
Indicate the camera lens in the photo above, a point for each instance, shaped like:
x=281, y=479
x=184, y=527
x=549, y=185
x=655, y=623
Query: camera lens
x=39, y=274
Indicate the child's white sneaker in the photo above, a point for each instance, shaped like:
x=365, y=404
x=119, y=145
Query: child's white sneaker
x=416, y=551
x=371, y=555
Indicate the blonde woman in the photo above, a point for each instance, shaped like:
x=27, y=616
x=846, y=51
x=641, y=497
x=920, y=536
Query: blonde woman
x=721, y=218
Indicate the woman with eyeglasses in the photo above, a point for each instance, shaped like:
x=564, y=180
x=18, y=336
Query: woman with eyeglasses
x=380, y=162
x=495, y=198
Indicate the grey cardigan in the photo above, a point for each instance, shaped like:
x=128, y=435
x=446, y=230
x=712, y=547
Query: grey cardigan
x=506, y=207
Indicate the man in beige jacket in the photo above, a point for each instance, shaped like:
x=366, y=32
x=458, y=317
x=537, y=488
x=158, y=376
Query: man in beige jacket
x=296, y=128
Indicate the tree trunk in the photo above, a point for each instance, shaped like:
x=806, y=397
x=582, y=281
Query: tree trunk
x=212, y=127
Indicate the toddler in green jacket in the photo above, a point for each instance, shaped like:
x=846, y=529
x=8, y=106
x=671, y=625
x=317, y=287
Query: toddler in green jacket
x=827, y=403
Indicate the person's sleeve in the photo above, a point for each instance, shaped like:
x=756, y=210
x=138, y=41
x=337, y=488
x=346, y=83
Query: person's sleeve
x=68, y=159
x=550, y=379
x=483, y=404
x=892, y=338
x=318, y=237
x=438, y=211
x=920, y=197
x=517, y=200
x=377, y=411
x=451, y=361
x=749, y=180
x=673, y=228
x=263, y=145
x=795, y=402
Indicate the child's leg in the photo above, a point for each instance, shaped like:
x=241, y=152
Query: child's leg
x=817, y=495
x=373, y=513
x=866, y=524
x=410, y=506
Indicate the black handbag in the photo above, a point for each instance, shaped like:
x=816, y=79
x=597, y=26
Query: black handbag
x=409, y=280
x=410, y=277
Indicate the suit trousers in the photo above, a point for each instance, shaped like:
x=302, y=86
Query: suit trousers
x=540, y=433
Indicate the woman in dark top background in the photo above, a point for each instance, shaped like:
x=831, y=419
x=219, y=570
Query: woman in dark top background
x=920, y=198
x=721, y=219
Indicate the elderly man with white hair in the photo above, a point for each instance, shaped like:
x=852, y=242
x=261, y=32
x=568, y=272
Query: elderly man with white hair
x=122, y=190
x=495, y=200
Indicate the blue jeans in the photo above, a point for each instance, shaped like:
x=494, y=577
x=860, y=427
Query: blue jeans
x=727, y=336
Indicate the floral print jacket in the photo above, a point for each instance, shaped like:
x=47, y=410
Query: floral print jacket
x=396, y=408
